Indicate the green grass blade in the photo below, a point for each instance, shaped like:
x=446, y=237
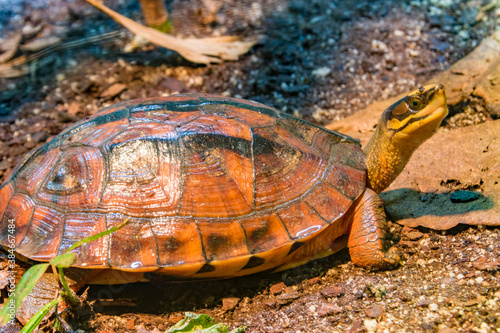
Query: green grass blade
x=99, y=235
x=32, y=324
x=23, y=288
x=64, y=260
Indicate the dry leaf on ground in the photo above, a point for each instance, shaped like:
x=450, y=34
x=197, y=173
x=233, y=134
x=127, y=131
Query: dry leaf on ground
x=202, y=50
x=9, y=47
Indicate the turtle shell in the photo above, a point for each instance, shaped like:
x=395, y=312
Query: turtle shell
x=213, y=187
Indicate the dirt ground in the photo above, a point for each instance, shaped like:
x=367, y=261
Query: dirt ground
x=320, y=60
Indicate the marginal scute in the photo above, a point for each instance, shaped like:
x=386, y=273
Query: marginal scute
x=253, y=262
x=78, y=226
x=329, y=202
x=140, y=250
x=207, y=268
x=6, y=192
x=179, y=241
x=295, y=246
x=44, y=235
x=16, y=218
x=223, y=240
x=31, y=175
x=301, y=220
x=265, y=232
x=347, y=179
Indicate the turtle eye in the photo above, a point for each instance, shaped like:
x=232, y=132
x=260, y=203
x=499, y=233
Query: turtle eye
x=415, y=103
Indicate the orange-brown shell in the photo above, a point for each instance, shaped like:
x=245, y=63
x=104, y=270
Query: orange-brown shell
x=209, y=183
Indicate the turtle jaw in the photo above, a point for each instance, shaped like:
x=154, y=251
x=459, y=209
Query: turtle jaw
x=403, y=127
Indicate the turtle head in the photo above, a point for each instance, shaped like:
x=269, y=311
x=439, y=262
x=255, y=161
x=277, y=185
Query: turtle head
x=403, y=127
x=416, y=117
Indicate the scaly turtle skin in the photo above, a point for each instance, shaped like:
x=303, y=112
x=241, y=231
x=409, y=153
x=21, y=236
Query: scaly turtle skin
x=214, y=187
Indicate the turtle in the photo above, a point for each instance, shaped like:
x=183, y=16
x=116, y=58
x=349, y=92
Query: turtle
x=214, y=187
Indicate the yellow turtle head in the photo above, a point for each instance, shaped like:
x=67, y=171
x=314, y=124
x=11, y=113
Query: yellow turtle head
x=403, y=127
x=417, y=116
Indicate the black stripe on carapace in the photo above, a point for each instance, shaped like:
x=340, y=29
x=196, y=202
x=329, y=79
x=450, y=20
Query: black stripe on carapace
x=295, y=246
x=196, y=104
x=207, y=268
x=262, y=145
x=254, y=261
x=98, y=120
x=203, y=143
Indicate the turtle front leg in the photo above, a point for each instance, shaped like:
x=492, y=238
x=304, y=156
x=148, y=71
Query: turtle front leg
x=367, y=244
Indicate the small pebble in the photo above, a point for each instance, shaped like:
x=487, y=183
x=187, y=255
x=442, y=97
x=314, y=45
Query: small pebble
x=229, y=303
x=370, y=325
x=423, y=302
x=332, y=291
x=131, y=324
x=277, y=288
x=271, y=302
x=328, y=309
x=375, y=311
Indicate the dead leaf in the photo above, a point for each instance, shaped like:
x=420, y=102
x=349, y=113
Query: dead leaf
x=444, y=169
x=113, y=90
x=198, y=50
x=15, y=68
x=10, y=47
x=25, y=63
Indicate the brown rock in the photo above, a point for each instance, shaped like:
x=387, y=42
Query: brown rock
x=448, y=280
x=131, y=324
x=414, y=235
x=313, y=281
x=113, y=90
x=173, y=85
x=483, y=264
x=423, y=302
x=332, y=291
x=270, y=302
x=375, y=311
x=229, y=303
x=327, y=309
x=277, y=288
x=287, y=298
x=39, y=136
